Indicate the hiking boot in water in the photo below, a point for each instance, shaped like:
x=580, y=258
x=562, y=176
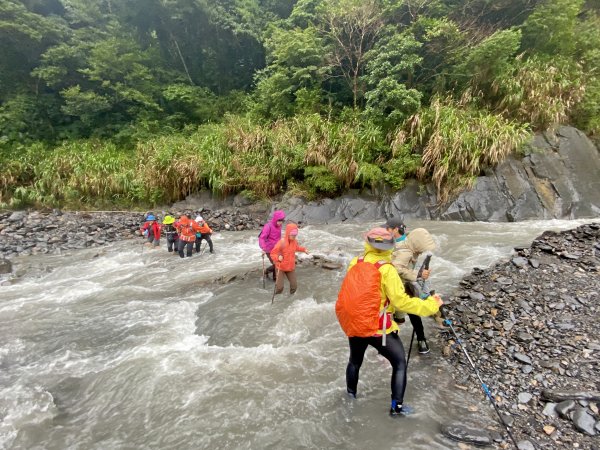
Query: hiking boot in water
x=400, y=410
x=423, y=347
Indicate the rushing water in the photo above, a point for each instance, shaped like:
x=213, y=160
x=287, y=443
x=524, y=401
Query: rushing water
x=124, y=348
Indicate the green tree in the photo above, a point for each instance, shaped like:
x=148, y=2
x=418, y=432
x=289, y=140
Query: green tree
x=551, y=28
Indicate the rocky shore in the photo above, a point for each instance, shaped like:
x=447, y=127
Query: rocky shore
x=531, y=327
x=39, y=232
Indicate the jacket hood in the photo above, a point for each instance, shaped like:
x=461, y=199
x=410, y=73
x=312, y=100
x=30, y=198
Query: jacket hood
x=380, y=254
x=420, y=240
x=289, y=227
x=278, y=214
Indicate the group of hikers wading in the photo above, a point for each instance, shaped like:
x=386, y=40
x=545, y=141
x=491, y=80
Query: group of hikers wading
x=183, y=234
x=380, y=287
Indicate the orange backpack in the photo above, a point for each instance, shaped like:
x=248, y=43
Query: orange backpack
x=359, y=301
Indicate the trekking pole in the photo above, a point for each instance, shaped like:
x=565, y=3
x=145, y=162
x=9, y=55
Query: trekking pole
x=263, y=272
x=484, y=386
x=275, y=287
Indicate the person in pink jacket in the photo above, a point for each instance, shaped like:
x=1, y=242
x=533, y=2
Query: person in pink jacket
x=269, y=236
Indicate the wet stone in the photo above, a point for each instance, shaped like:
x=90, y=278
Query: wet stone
x=525, y=445
x=584, y=422
x=522, y=358
x=565, y=407
x=550, y=410
x=5, y=266
x=519, y=261
x=462, y=433
x=524, y=397
x=527, y=369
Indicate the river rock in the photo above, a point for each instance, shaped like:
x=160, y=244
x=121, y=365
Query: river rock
x=565, y=407
x=583, y=421
x=525, y=445
x=463, y=433
x=5, y=266
x=543, y=320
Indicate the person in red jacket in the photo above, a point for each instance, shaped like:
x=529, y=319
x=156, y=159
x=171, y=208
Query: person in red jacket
x=151, y=229
x=186, y=228
x=283, y=256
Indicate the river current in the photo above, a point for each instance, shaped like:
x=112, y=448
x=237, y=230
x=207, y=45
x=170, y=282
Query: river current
x=126, y=348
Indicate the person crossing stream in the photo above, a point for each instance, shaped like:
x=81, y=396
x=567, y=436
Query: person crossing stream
x=189, y=353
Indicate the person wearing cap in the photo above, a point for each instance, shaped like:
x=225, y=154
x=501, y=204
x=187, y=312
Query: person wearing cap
x=284, y=257
x=269, y=236
x=204, y=234
x=170, y=232
x=408, y=248
x=187, y=229
x=379, y=245
x=151, y=229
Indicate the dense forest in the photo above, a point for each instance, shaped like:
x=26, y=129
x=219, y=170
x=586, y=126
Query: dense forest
x=131, y=102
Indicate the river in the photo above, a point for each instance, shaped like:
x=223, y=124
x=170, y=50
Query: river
x=123, y=348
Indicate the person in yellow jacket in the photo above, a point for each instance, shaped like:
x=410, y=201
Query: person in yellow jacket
x=378, y=249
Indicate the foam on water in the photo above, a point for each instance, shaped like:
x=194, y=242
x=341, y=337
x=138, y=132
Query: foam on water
x=119, y=348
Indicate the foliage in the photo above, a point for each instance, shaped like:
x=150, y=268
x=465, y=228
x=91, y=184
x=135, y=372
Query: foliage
x=457, y=142
x=145, y=101
x=540, y=92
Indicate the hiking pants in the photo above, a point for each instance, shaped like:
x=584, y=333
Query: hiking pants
x=181, y=244
x=152, y=240
x=271, y=268
x=393, y=352
x=199, y=243
x=415, y=321
x=417, y=324
x=291, y=276
x=172, y=242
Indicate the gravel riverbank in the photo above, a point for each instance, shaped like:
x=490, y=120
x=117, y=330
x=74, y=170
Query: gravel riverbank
x=531, y=326
x=34, y=232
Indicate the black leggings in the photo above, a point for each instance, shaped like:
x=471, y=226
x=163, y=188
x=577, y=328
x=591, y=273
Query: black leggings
x=416, y=321
x=393, y=352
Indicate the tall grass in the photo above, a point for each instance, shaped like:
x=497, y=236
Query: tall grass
x=457, y=143
x=539, y=92
x=306, y=153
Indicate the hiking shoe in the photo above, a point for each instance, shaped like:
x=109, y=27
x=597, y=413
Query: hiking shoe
x=423, y=347
x=401, y=410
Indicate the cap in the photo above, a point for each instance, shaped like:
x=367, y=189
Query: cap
x=395, y=222
x=168, y=220
x=380, y=238
x=199, y=219
x=150, y=217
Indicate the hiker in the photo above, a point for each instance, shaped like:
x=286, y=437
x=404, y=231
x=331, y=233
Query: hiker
x=186, y=228
x=408, y=247
x=269, y=236
x=170, y=233
x=204, y=234
x=151, y=230
x=370, y=294
x=284, y=257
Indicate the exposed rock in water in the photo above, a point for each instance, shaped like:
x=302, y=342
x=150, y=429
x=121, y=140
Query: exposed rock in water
x=545, y=318
x=462, y=433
